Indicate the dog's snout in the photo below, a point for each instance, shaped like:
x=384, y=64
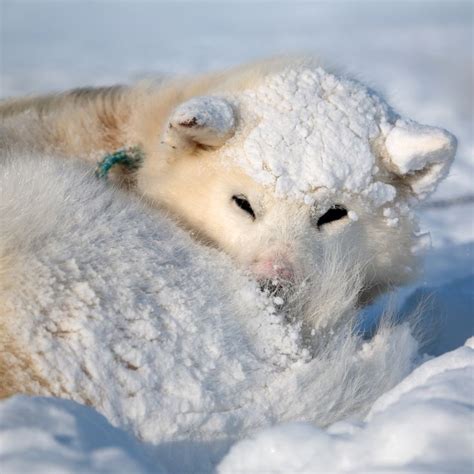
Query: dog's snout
x=269, y=269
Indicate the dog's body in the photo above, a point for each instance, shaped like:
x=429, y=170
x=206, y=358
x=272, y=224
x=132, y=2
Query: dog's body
x=107, y=302
x=298, y=174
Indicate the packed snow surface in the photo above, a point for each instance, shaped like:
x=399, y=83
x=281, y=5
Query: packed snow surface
x=47, y=435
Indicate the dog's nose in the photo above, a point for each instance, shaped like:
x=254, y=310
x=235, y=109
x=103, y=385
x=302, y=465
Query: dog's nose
x=283, y=271
x=270, y=269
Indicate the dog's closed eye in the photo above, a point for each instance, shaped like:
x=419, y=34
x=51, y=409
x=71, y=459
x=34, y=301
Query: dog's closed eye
x=244, y=204
x=335, y=213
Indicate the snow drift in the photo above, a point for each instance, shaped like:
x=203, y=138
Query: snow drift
x=45, y=435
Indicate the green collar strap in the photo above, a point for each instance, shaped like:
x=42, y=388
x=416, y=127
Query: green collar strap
x=131, y=158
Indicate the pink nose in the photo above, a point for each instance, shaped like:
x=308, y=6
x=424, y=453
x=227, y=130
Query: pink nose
x=274, y=269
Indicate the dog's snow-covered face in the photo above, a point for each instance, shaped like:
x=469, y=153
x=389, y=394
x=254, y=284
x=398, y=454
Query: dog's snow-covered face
x=303, y=161
x=280, y=239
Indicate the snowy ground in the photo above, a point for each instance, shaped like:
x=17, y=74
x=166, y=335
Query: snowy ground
x=419, y=54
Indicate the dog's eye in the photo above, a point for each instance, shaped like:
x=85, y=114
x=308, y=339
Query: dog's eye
x=244, y=204
x=334, y=214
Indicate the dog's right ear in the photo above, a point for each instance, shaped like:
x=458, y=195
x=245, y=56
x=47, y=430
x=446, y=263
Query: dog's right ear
x=201, y=122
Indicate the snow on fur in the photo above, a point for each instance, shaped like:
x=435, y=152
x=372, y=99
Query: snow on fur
x=324, y=121
x=339, y=130
x=122, y=310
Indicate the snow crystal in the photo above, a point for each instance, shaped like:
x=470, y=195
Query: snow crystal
x=393, y=222
x=278, y=300
x=353, y=216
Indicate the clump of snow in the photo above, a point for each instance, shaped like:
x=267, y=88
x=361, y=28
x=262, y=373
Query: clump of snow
x=312, y=135
x=391, y=219
x=46, y=435
x=423, y=424
x=353, y=216
x=306, y=129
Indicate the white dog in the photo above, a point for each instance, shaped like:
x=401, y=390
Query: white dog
x=306, y=178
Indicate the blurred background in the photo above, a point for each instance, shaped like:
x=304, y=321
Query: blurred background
x=419, y=54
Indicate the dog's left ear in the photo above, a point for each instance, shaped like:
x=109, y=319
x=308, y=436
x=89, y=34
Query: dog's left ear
x=420, y=155
x=205, y=122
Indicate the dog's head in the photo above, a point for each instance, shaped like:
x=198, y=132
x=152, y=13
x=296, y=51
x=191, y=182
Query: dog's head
x=301, y=165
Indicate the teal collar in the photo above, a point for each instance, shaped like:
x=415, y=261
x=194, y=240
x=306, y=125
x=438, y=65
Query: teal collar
x=131, y=158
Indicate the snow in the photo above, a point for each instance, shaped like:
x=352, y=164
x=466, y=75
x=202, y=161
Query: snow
x=341, y=132
x=209, y=120
x=48, y=435
x=326, y=121
x=423, y=424
x=419, y=54
x=410, y=145
x=353, y=216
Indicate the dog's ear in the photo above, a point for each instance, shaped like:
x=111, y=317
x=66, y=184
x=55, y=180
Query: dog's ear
x=204, y=122
x=420, y=155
